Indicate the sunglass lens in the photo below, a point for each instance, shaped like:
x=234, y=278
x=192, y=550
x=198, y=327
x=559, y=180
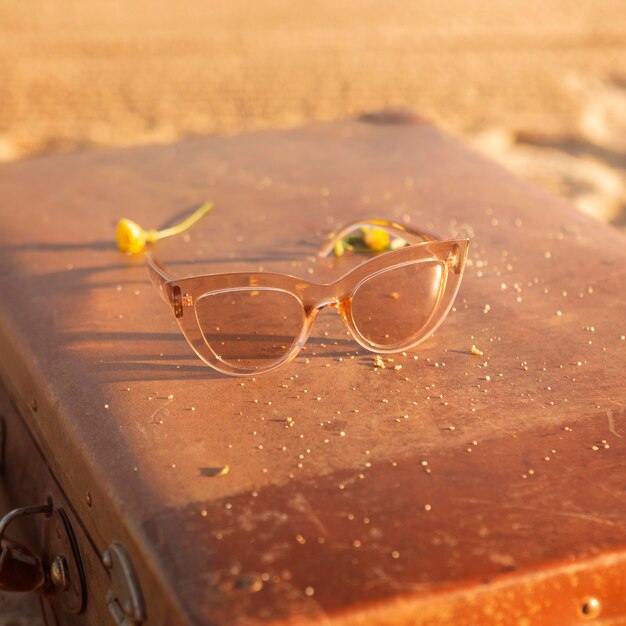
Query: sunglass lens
x=391, y=308
x=250, y=329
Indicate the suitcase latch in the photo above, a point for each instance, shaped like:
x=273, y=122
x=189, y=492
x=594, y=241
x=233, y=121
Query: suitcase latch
x=124, y=599
x=20, y=569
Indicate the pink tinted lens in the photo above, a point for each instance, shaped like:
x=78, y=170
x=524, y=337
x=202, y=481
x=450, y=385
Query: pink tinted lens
x=250, y=328
x=391, y=308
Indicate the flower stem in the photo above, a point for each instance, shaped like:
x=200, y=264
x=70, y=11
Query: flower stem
x=155, y=235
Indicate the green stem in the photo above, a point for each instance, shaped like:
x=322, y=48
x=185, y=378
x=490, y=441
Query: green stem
x=188, y=222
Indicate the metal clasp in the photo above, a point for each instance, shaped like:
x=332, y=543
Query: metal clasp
x=20, y=569
x=124, y=598
x=23, y=512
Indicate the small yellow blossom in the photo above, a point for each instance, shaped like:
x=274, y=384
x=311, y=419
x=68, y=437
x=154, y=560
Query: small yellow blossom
x=341, y=246
x=132, y=238
x=376, y=239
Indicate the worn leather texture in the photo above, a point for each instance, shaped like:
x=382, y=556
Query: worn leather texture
x=459, y=489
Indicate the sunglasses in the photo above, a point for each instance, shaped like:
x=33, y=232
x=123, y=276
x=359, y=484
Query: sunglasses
x=244, y=324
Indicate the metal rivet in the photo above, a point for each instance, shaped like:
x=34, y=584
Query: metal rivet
x=59, y=573
x=88, y=498
x=591, y=607
x=107, y=561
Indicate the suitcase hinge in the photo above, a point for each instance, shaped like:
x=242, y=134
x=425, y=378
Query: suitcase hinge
x=124, y=598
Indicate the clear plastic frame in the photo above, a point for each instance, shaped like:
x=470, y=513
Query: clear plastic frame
x=244, y=324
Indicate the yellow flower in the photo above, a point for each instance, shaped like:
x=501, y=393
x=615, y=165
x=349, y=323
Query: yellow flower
x=339, y=248
x=132, y=238
x=376, y=239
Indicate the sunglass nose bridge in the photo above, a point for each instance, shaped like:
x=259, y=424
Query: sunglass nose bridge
x=334, y=302
x=342, y=304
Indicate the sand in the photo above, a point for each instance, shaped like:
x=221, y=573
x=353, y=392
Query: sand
x=540, y=85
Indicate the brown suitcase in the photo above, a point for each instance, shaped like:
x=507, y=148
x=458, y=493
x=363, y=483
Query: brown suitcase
x=459, y=489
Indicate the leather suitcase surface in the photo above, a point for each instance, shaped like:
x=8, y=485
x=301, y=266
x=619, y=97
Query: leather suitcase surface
x=457, y=489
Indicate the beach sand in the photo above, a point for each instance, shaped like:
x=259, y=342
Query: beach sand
x=538, y=86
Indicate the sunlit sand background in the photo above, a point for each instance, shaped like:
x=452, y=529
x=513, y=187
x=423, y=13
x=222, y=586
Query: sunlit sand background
x=540, y=86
